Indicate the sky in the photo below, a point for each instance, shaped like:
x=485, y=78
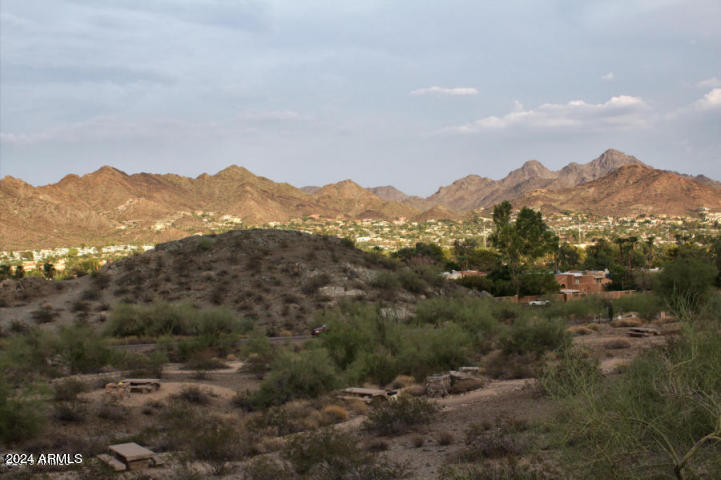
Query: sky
x=411, y=93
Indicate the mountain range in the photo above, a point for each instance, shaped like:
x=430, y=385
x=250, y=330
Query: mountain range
x=110, y=206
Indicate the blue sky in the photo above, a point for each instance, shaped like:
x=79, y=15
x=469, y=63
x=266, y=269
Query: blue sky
x=410, y=93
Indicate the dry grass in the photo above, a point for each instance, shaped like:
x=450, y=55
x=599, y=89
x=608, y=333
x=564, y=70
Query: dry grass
x=626, y=322
x=579, y=330
x=335, y=413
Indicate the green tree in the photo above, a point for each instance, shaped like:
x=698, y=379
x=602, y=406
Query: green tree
x=568, y=257
x=521, y=242
x=19, y=272
x=48, y=271
x=686, y=283
x=600, y=255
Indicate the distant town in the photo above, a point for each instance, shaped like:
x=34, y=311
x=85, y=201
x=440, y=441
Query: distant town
x=579, y=230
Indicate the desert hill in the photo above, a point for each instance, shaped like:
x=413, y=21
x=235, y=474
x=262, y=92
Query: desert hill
x=629, y=190
x=280, y=278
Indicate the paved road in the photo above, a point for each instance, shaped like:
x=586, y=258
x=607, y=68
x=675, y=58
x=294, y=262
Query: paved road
x=149, y=347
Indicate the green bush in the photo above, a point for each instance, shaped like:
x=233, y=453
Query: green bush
x=475, y=315
x=296, y=375
x=410, y=281
x=399, y=416
x=686, y=284
x=82, y=350
x=658, y=418
x=328, y=454
x=204, y=436
x=575, y=372
x=173, y=319
x=429, y=350
x=20, y=417
x=646, y=304
x=67, y=390
x=386, y=281
x=536, y=336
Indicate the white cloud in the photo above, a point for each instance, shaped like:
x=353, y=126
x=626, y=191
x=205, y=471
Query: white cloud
x=608, y=77
x=619, y=113
x=709, y=83
x=709, y=101
x=435, y=90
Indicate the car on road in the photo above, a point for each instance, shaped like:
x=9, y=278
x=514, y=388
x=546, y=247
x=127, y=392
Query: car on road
x=539, y=303
x=318, y=330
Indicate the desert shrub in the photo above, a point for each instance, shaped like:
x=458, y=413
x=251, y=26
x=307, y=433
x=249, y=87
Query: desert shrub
x=647, y=305
x=445, y=438
x=514, y=365
x=204, y=436
x=490, y=443
x=686, y=283
x=44, y=314
x=537, y=337
x=21, y=416
x=204, y=362
x=399, y=416
x=335, y=413
x=266, y=468
x=578, y=309
x=275, y=421
x=194, y=395
x=385, y=281
x=69, y=412
x=173, y=319
x=474, y=315
x=312, y=285
x=90, y=294
x=328, y=454
x=67, y=390
x=428, y=350
x=296, y=375
x=259, y=354
x=369, y=344
x=204, y=244
x=28, y=355
x=573, y=373
x=113, y=411
x=143, y=365
x=100, y=279
x=82, y=350
x=412, y=282
x=662, y=417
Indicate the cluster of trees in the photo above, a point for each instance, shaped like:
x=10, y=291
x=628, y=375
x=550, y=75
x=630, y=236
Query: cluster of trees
x=520, y=255
x=519, y=261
